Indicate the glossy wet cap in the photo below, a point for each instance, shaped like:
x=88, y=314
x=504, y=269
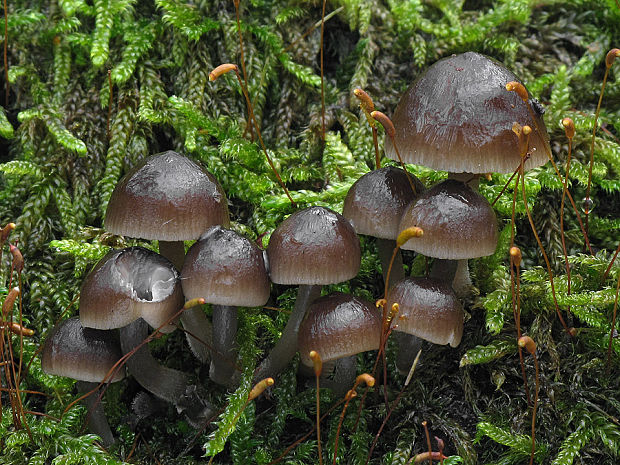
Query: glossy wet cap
x=428, y=309
x=80, y=353
x=225, y=269
x=458, y=222
x=376, y=201
x=166, y=197
x=339, y=325
x=128, y=284
x=458, y=117
x=314, y=246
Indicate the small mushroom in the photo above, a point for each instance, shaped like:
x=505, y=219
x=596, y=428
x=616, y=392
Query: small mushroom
x=458, y=224
x=88, y=356
x=338, y=326
x=429, y=309
x=310, y=248
x=228, y=271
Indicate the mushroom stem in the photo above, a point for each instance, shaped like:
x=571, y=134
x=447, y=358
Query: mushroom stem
x=444, y=270
x=341, y=376
x=193, y=319
x=97, y=421
x=165, y=383
x=224, y=348
x=385, y=248
x=408, y=344
x=285, y=348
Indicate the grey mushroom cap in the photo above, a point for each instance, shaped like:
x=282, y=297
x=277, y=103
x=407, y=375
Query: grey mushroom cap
x=314, y=246
x=128, y=284
x=167, y=197
x=458, y=117
x=428, y=309
x=377, y=200
x=84, y=354
x=339, y=325
x=226, y=269
x=458, y=222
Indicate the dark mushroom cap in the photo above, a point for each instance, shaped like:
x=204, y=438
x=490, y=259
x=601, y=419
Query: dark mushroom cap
x=458, y=117
x=226, y=269
x=339, y=325
x=458, y=222
x=428, y=309
x=166, y=197
x=128, y=284
x=314, y=246
x=376, y=201
x=80, y=353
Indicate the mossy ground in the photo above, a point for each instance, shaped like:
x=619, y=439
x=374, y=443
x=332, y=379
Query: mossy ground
x=65, y=140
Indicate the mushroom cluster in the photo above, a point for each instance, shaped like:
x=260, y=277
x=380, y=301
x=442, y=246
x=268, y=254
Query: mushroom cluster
x=450, y=119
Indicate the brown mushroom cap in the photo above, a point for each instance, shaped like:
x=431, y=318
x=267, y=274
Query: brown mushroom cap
x=128, y=284
x=314, y=246
x=458, y=117
x=458, y=222
x=376, y=201
x=226, y=269
x=167, y=197
x=428, y=309
x=339, y=325
x=80, y=353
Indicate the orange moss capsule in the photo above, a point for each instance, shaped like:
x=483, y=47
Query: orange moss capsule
x=221, y=70
x=4, y=232
x=611, y=56
x=20, y=330
x=316, y=362
x=519, y=88
x=9, y=301
x=527, y=343
x=385, y=122
x=515, y=255
x=569, y=127
x=407, y=234
x=365, y=378
x=365, y=100
x=258, y=389
x=18, y=260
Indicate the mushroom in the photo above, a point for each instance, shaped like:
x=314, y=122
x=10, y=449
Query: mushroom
x=429, y=309
x=125, y=290
x=458, y=224
x=88, y=356
x=338, y=326
x=171, y=199
x=458, y=117
x=228, y=271
x=312, y=247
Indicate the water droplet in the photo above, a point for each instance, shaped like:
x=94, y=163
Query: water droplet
x=588, y=205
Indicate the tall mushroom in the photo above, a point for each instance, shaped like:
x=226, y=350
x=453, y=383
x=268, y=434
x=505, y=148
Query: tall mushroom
x=310, y=248
x=171, y=199
x=228, y=271
x=458, y=117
